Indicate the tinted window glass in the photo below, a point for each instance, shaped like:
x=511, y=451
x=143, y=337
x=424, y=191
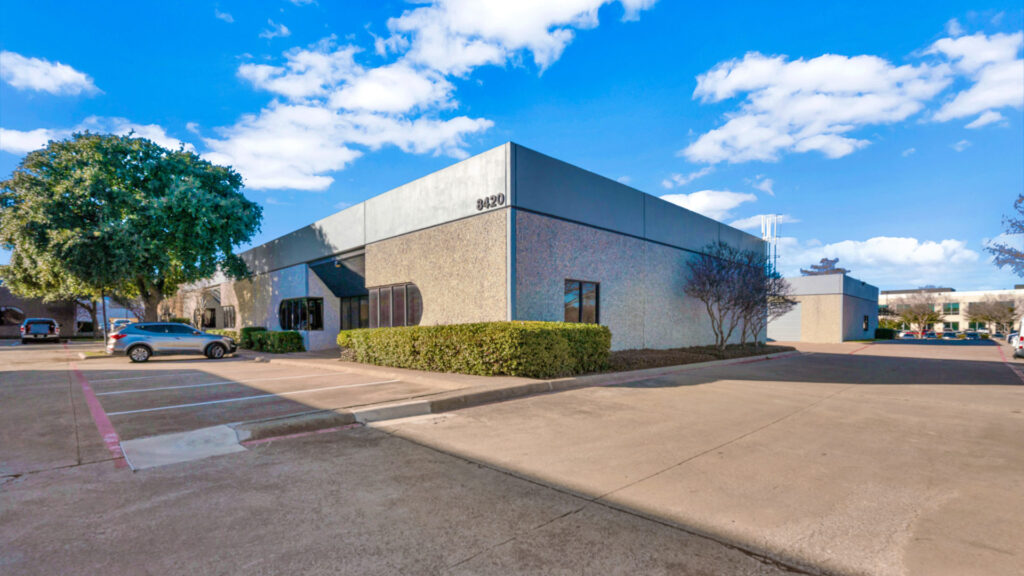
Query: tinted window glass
x=229, y=316
x=415, y=305
x=364, y=312
x=588, y=313
x=385, y=307
x=374, y=308
x=346, y=313
x=175, y=329
x=316, y=314
x=398, y=306
x=572, y=301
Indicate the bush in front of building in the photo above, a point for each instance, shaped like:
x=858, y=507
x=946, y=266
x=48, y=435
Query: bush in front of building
x=233, y=334
x=885, y=334
x=529, y=349
x=245, y=336
x=277, y=342
x=180, y=320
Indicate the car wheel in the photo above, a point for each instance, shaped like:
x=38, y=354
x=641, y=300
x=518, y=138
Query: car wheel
x=139, y=354
x=215, y=351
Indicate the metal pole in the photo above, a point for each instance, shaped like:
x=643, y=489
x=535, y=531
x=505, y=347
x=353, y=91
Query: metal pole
x=103, y=301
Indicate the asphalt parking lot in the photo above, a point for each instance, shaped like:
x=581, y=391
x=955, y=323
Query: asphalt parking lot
x=885, y=458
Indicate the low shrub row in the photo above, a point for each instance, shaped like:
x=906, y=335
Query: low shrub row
x=245, y=336
x=530, y=349
x=885, y=334
x=233, y=334
x=180, y=320
x=276, y=342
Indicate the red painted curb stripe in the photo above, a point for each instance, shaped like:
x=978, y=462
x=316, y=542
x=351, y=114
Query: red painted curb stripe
x=861, y=348
x=299, y=434
x=106, y=429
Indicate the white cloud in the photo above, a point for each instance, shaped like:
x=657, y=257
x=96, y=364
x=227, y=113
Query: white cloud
x=961, y=145
x=953, y=27
x=715, y=204
x=307, y=73
x=192, y=127
x=394, y=88
x=992, y=63
x=987, y=117
x=624, y=179
x=22, y=142
x=754, y=222
x=804, y=105
x=455, y=36
x=909, y=151
x=677, y=180
x=42, y=75
x=766, y=185
x=225, y=16
x=293, y=146
x=275, y=31
x=884, y=260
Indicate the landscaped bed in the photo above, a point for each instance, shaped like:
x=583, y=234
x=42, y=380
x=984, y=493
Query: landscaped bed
x=638, y=359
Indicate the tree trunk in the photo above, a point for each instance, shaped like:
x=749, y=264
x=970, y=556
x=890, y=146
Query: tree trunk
x=90, y=307
x=151, y=300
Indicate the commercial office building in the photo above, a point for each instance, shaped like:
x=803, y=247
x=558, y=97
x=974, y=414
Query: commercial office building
x=955, y=305
x=830, y=308
x=509, y=234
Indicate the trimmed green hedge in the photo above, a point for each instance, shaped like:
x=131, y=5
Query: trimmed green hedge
x=530, y=349
x=277, y=342
x=233, y=334
x=180, y=320
x=885, y=334
x=245, y=336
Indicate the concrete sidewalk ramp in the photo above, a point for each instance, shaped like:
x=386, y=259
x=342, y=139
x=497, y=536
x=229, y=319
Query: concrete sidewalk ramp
x=155, y=451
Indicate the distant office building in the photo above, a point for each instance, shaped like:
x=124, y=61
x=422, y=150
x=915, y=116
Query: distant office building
x=509, y=234
x=830, y=308
x=955, y=305
x=14, y=310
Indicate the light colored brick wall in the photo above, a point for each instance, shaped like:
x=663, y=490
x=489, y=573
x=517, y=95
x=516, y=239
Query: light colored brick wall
x=460, y=268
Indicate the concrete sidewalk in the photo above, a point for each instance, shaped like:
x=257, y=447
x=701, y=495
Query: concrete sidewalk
x=470, y=390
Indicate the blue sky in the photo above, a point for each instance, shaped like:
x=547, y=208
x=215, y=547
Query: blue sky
x=889, y=135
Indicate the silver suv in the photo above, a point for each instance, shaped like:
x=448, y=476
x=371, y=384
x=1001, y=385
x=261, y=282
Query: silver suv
x=144, y=339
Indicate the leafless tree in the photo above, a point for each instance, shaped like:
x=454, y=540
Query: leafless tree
x=919, y=309
x=715, y=274
x=1005, y=254
x=1002, y=314
x=766, y=296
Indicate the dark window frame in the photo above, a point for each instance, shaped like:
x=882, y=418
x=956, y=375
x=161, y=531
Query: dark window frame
x=228, y=314
x=355, y=306
x=298, y=315
x=412, y=304
x=579, y=299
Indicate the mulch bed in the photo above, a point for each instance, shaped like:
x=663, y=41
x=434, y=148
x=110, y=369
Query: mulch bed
x=638, y=359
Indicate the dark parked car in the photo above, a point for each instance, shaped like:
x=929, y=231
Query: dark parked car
x=40, y=329
x=972, y=335
x=144, y=339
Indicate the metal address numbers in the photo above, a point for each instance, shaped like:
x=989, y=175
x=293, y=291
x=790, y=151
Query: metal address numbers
x=490, y=202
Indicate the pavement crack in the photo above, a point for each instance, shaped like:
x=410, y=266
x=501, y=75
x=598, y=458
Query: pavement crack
x=517, y=536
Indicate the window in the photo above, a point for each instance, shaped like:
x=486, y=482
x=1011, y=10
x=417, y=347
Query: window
x=398, y=305
x=11, y=316
x=581, y=301
x=883, y=310
x=177, y=329
x=229, y=316
x=952, y=326
x=355, y=312
x=976, y=325
x=867, y=323
x=301, y=314
x=951, y=309
x=210, y=318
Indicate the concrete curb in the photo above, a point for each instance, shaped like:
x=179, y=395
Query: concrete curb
x=452, y=400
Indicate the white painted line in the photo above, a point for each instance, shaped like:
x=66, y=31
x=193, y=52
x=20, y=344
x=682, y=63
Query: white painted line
x=218, y=383
x=248, y=398
x=197, y=373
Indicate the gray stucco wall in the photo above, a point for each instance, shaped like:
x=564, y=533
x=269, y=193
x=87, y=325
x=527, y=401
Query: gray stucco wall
x=641, y=296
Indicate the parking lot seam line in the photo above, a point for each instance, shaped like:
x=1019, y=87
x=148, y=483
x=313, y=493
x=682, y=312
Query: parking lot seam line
x=257, y=397
x=103, y=425
x=219, y=383
x=859, y=349
x=300, y=434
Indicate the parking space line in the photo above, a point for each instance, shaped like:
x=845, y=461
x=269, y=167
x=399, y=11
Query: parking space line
x=257, y=397
x=219, y=383
x=195, y=373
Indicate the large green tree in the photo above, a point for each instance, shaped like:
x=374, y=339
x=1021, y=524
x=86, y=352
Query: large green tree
x=125, y=215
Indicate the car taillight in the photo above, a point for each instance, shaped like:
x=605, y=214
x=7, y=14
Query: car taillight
x=117, y=336
x=22, y=329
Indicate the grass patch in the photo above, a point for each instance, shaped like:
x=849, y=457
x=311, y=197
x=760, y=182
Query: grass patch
x=623, y=360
